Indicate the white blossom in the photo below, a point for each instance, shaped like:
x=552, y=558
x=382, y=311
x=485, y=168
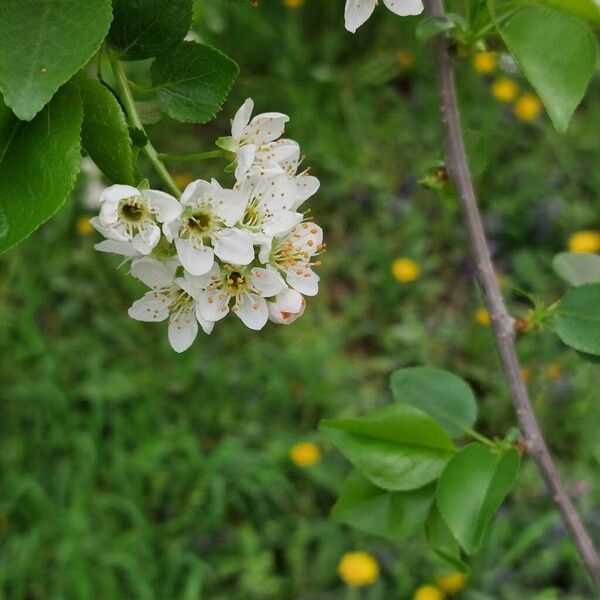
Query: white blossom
x=287, y=306
x=131, y=215
x=170, y=297
x=358, y=11
x=208, y=217
x=248, y=134
x=240, y=289
x=292, y=256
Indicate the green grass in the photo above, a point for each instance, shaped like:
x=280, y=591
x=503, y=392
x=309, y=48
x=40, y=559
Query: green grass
x=127, y=471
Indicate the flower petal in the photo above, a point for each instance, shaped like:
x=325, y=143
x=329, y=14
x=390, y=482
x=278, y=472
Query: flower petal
x=241, y=119
x=198, y=260
x=167, y=207
x=234, y=246
x=151, y=307
x=207, y=326
x=229, y=205
x=114, y=193
x=357, y=12
x=306, y=186
x=154, y=273
x=245, y=158
x=266, y=282
x=145, y=240
x=183, y=329
x=122, y=248
x=281, y=222
x=288, y=306
x=213, y=305
x=304, y=280
x=265, y=127
x=196, y=191
x=253, y=312
x=405, y=7
x=108, y=231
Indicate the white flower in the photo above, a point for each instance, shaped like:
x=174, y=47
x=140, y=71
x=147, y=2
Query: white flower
x=241, y=289
x=170, y=297
x=130, y=215
x=269, y=208
x=292, y=256
x=247, y=135
x=208, y=216
x=358, y=11
x=279, y=161
x=288, y=306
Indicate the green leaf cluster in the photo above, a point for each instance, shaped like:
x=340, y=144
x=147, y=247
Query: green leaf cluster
x=408, y=472
x=51, y=110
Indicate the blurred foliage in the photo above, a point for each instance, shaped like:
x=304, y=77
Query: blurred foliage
x=127, y=471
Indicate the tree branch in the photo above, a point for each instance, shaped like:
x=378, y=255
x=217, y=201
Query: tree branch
x=503, y=324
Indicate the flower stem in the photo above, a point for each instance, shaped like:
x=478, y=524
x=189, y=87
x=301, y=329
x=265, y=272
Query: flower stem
x=480, y=438
x=135, y=121
x=192, y=157
x=502, y=322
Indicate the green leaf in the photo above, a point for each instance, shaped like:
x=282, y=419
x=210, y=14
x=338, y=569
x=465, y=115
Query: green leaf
x=442, y=542
x=471, y=488
x=146, y=28
x=557, y=53
x=577, y=319
x=446, y=398
x=584, y=9
x=576, y=268
x=392, y=515
x=104, y=133
x=192, y=81
x=39, y=167
x=43, y=44
x=397, y=447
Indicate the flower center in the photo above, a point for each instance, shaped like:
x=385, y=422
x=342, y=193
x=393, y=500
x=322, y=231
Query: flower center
x=199, y=222
x=236, y=283
x=133, y=210
x=180, y=300
x=254, y=216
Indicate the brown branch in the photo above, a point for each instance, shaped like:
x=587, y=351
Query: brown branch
x=503, y=324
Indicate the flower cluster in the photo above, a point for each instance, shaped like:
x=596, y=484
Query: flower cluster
x=248, y=250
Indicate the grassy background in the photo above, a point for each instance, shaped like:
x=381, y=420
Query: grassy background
x=128, y=471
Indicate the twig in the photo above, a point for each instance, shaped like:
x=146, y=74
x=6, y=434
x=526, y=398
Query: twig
x=503, y=324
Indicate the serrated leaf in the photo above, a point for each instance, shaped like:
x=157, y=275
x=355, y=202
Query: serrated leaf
x=577, y=319
x=38, y=170
x=43, y=44
x=576, y=268
x=557, y=53
x=104, y=133
x=471, y=488
x=446, y=398
x=192, y=81
x=392, y=515
x=397, y=447
x=146, y=28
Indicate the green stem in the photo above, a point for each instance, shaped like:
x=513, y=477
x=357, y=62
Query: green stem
x=480, y=438
x=192, y=157
x=135, y=121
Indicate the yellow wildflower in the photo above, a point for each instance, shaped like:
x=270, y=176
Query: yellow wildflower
x=526, y=374
x=452, y=582
x=585, y=241
x=505, y=89
x=293, y=3
x=183, y=180
x=358, y=569
x=485, y=62
x=428, y=592
x=528, y=107
x=83, y=226
x=482, y=317
x=305, y=454
x=405, y=270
